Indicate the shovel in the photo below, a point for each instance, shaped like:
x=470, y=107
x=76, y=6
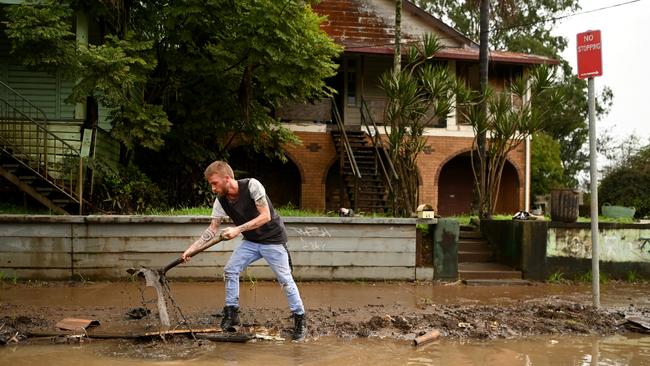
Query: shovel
x=156, y=279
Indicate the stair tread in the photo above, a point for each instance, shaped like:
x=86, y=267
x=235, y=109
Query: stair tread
x=470, y=234
x=496, y=282
x=484, y=266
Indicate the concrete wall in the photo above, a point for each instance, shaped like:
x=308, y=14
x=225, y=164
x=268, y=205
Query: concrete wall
x=540, y=248
x=519, y=244
x=623, y=248
x=103, y=247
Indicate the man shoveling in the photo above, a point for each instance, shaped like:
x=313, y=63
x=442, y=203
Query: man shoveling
x=246, y=203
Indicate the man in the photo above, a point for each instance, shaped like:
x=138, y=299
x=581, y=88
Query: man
x=246, y=203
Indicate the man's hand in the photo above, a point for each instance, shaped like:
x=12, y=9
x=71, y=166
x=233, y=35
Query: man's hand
x=186, y=255
x=231, y=232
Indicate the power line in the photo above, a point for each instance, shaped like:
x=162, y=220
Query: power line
x=568, y=15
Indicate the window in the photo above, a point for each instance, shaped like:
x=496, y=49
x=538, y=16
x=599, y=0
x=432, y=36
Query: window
x=351, y=80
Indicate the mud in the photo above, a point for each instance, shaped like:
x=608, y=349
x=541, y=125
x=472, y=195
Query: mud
x=397, y=311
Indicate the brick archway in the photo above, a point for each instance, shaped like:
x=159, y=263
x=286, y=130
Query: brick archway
x=456, y=187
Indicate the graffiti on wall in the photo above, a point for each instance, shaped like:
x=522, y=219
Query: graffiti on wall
x=615, y=245
x=311, y=237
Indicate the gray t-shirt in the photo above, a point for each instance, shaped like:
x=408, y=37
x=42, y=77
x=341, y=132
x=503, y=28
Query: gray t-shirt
x=256, y=190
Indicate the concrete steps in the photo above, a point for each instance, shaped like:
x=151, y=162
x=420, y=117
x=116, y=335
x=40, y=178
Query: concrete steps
x=485, y=271
x=476, y=260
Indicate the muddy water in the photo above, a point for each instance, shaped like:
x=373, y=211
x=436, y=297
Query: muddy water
x=614, y=350
x=108, y=302
x=315, y=294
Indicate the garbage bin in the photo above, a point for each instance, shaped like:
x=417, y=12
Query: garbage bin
x=564, y=205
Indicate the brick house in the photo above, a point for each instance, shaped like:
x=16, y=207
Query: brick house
x=317, y=175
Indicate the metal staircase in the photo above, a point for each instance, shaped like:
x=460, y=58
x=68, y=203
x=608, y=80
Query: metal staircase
x=366, y=181
x=34, y=159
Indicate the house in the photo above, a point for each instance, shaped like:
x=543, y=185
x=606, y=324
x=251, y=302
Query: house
x=43, y=139
x=340, y=162
x=320, y=173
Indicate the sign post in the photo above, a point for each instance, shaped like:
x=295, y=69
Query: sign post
x=590, y=64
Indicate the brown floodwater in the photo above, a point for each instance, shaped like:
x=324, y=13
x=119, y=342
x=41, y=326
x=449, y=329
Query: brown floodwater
x=199, y=295
x=538, y=351
x=60, y=299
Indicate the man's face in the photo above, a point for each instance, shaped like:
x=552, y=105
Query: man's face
x=218, y=183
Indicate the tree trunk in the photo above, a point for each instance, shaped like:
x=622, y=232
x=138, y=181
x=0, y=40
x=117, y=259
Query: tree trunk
x=397, y=61
x=483, y=82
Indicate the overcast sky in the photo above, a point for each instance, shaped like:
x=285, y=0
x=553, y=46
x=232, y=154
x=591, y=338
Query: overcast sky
x=625, y=32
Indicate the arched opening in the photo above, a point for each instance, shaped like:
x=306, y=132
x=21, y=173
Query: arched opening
x=333, y=192
x=456, y=188
x=508, y=200
x=282, y=181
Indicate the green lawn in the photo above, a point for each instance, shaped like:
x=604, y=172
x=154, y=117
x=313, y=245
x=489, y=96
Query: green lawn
x=8, y=208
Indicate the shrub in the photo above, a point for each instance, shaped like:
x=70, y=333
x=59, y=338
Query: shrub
x=629, y=184
x=126, y=190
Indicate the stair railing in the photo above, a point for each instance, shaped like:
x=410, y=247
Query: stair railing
x=378, y=144
x=349, y=153
x=25, y=136
x=345, y=141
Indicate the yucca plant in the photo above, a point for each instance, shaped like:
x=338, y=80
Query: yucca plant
x=509, y=117
x=419, y=94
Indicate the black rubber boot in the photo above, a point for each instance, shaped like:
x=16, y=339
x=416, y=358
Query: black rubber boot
x=230, y=318
x=299, y=327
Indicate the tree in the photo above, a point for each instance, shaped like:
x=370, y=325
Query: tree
x=186, y=79
x=526, y=27
x=547, y=170
x=507, y=125
x=516, y=26
x=568, y=123
x=418, y=94
x=628, y=184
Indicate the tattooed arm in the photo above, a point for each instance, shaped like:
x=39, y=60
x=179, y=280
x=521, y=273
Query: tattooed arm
x=203, y=242
x=261, y=219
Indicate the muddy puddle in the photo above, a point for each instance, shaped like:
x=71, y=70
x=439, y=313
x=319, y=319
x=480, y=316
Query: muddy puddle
x=317, y=294
x=357, y=323
x=536, y=351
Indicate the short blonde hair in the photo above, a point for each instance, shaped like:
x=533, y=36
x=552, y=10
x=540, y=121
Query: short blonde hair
x=219, y=167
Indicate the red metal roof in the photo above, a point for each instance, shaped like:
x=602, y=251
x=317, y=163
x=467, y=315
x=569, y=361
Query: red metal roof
x=357, y=26
x=495, y=56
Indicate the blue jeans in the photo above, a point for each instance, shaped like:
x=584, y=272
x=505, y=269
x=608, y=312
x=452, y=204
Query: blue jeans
x=276, y=256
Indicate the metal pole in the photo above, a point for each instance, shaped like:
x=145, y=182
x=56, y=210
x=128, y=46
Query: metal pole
x=593, y=175
x=81, y=185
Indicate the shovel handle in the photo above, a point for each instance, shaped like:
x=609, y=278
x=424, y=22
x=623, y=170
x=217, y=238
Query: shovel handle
x=180, y=260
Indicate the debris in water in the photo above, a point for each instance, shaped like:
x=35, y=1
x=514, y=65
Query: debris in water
x=426, y=337
x=76, y=324
x=138, y=313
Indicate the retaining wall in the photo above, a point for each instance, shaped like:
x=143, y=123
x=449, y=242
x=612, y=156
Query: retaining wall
x=103, y=247
x=540, y=248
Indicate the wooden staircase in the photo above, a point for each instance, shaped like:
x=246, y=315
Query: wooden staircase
x=476, y=262
x=367, y=193
x=36, y=160
x=365, y=178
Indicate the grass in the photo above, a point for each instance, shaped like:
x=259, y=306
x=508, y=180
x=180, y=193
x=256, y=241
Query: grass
x=587, y=276
x=4, y=277
x=556, y=277
x=633, y=277
x=183, y=211
x=10, y=208
x=286, y=211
